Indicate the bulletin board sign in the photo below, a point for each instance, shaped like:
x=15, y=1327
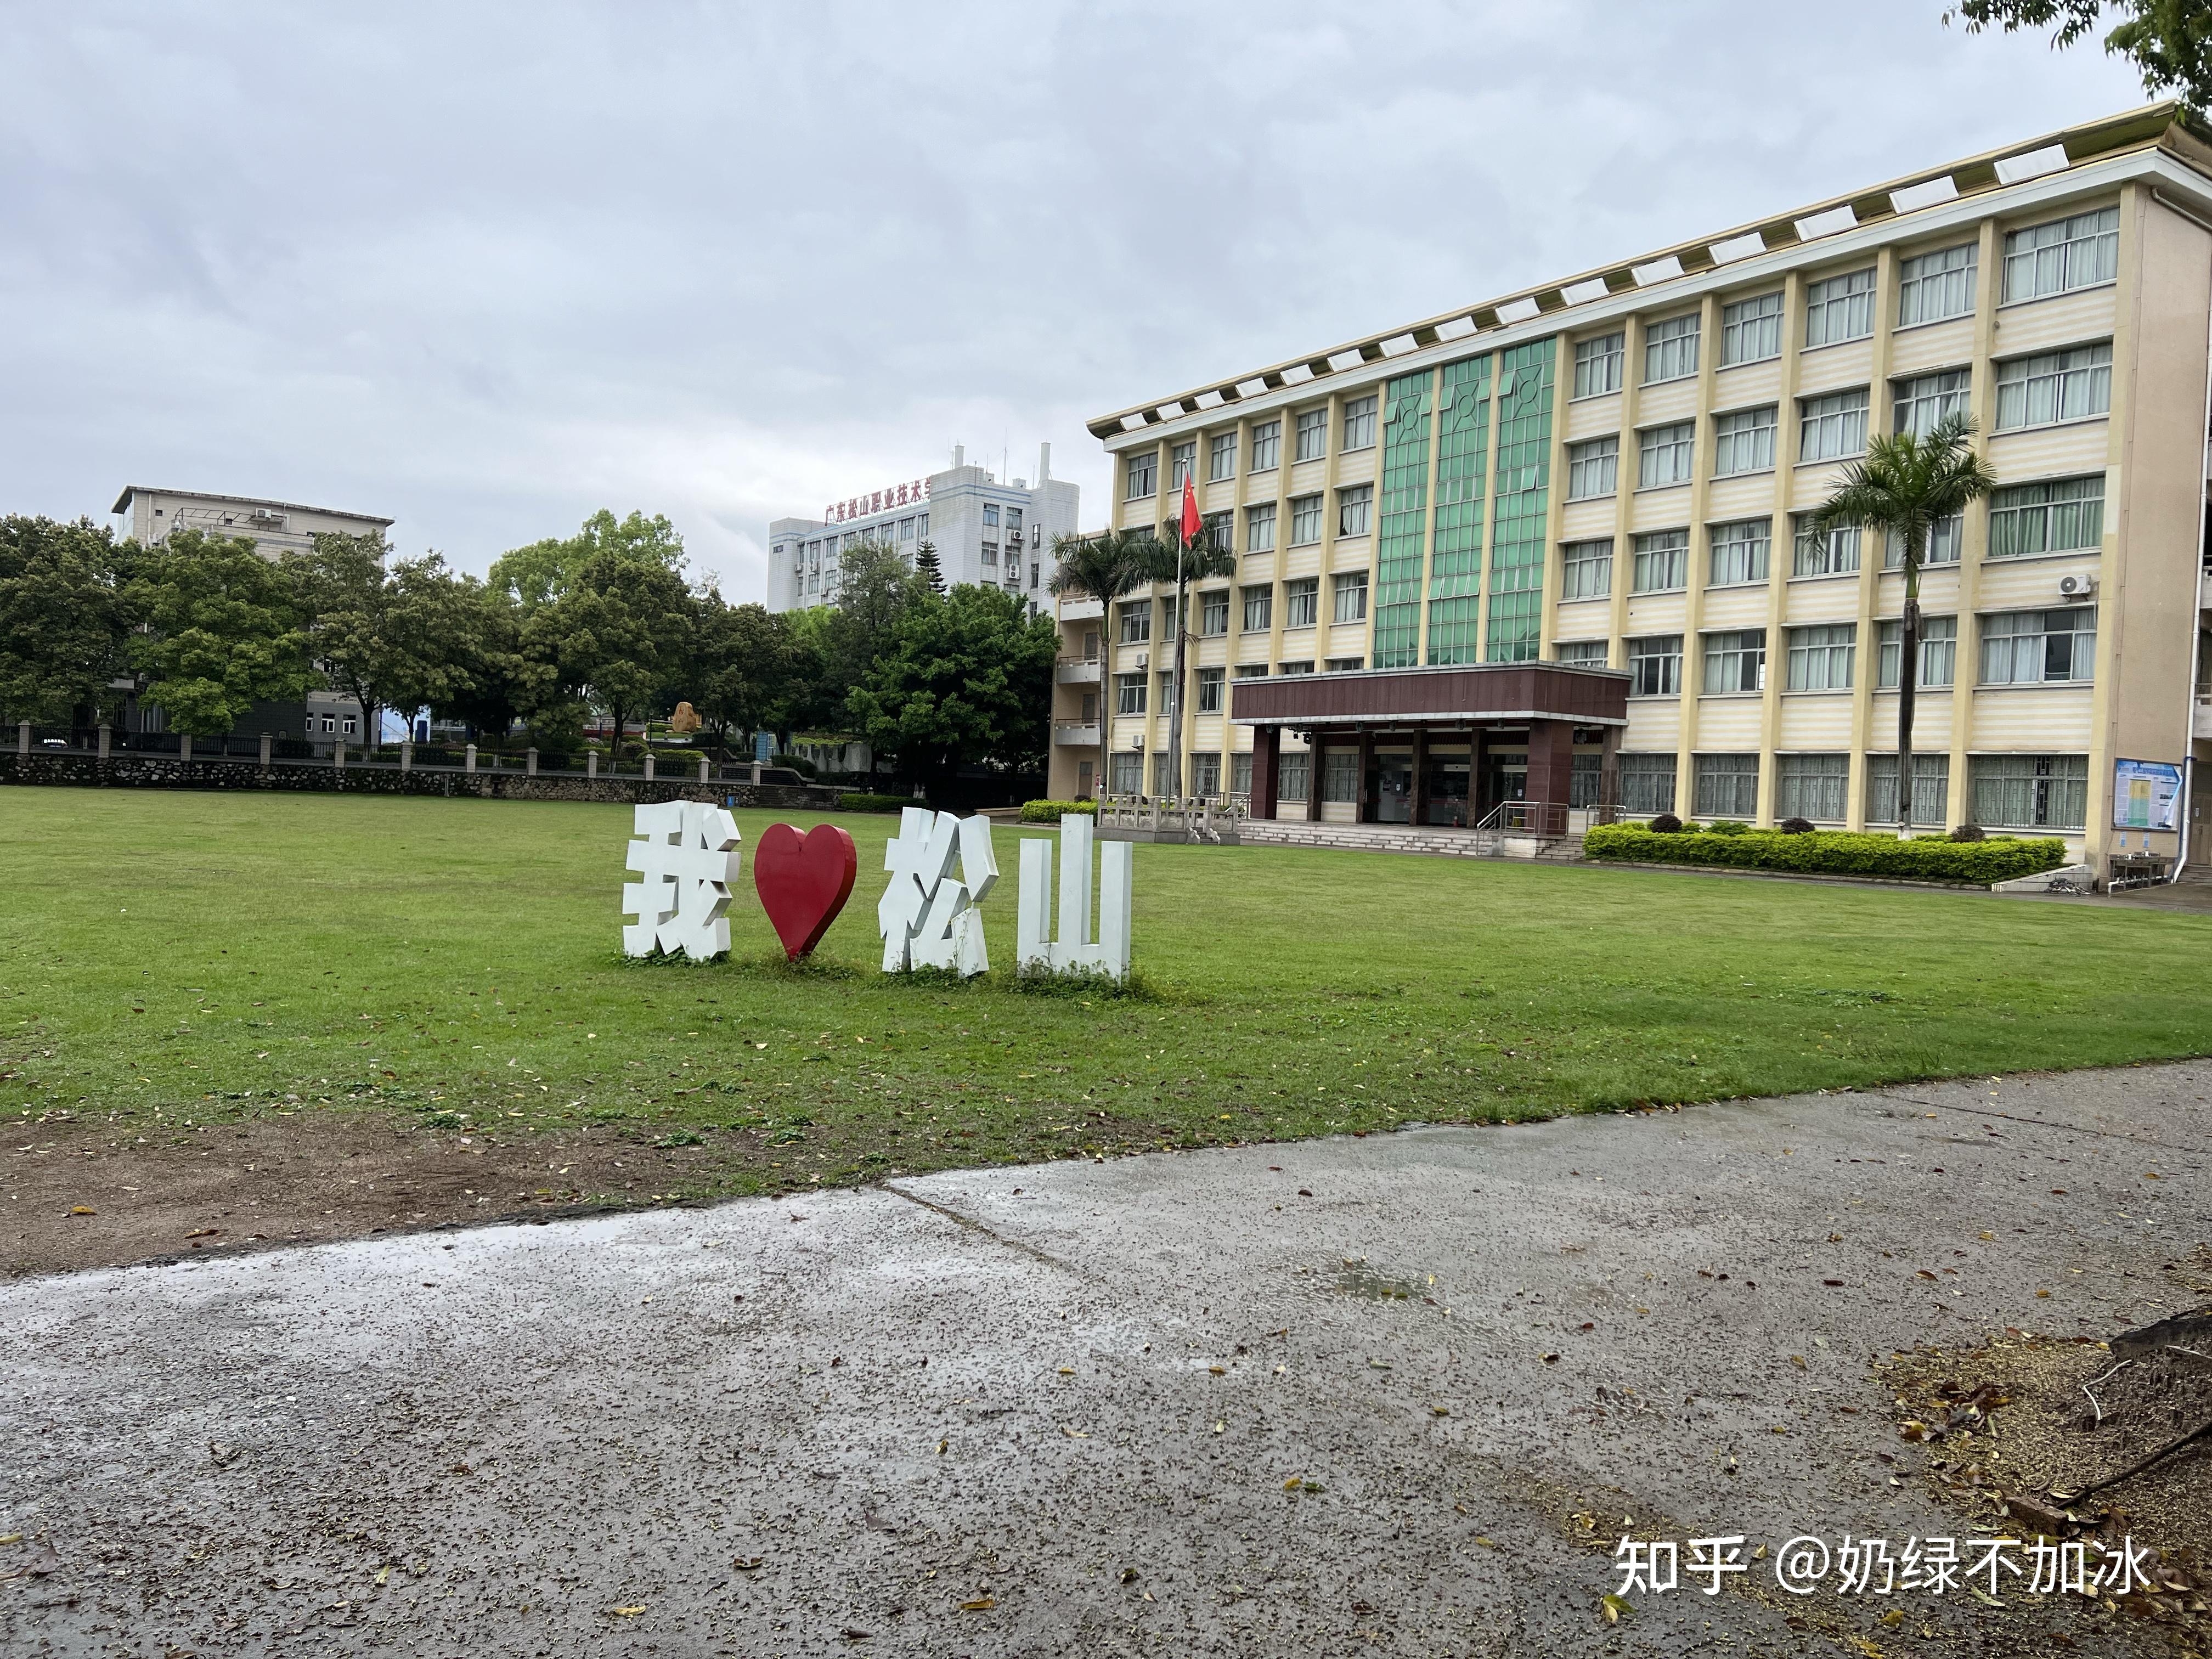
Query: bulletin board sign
x=2146, y=794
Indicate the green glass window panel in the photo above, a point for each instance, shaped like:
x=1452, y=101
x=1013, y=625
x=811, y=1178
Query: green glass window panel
x=1523, y=498
x=1398, y=541
x=1462, y=471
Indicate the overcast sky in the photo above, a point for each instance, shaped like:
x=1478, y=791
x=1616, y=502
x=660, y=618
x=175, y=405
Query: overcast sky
x=484, y=268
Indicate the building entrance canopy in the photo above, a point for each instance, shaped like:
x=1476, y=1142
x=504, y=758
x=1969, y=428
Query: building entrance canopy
x=1440, y=745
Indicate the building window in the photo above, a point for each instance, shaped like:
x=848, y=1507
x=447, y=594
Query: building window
x=1129, y=772
x=991, y=515
x=1744, y=441
x=1655, y=666
x=2064, y=515
x=1939, y=651
x=1240, y=774
x=1751, y=329
x=1305, y=521
x=1129, y=694
x=1345, y=664
x=1339, y=774
x=1931, y=287
x=1647, y=783
x=1301, y=600
x=1931, y=788
x=1209, y=694
x=1586, y=569
x=1812, y=786
x=1266, y=445
x=1360, y=424
x=1143, y=475
x=1350, y=597
x=2031, y=792
x=349, y=726
x=1304, y=667
x=1205, y=767
x=1221, y=458
x=1593, y=468
x=990, y=552
x=1168, y=704
x=1839, y=308
x=1136, y=622
x=1670, y=350
x=1168, y=619
x=1013, y=523
x=1293, y=776
x=1728, y=787
x=1164, y=777
x=1182, y=459
x=1665, y=454
x=2054, y=386
x=1735, y=661
x=1260, y=529
x=1662, y=563
x=1926, y=399
x=1597, y=365
x=1035, y=578
x=1820, y=657
x=1313, y=434
x=1258, y=609
x=1582, y=654
x=2038, y=647
x=1946, y=537
x=1251, y=671
x=1221, y=532
x=1353, y=507
x=1740, y=550
x=1833, y=425
x=2080, y=251
x=1213, y=613
x=1831, y=552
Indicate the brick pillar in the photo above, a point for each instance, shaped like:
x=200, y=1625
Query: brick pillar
x=530, y=762
x=1551, y=770
x=107, y=739
x=1477, y=801
x=1267, y=765
x=1363, y=794
x=1418, y=806
x=1315, y=755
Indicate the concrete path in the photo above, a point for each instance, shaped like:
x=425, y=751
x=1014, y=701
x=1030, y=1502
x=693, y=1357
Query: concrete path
x=1054, y=1409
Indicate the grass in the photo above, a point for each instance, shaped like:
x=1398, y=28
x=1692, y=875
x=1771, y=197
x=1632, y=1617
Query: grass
x=184, y=958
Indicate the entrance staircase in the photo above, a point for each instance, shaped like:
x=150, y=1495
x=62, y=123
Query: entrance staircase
x=1484, y=841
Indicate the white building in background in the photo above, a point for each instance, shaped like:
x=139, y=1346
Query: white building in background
x=984, y=532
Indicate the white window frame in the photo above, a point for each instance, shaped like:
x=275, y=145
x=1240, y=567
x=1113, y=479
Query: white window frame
x=1746, y=548
x=2008, y=647
x=1209, y=694
x=1211, y=601
x=1661, y=562
x=1260, y=528
x=1359, y=423
x=1582, y=654
x=1258, y=609
x=1939, y=653
x=1840, y=309
x=1654, y=660
x=1670, y=350
x=1142, y=468
x=1835, y=553
x=1919, y=403
x=1743, y=441
x=2016, y=517
x=1937, y=286
x=1305, y=520
x=1731, y=656
x=2081, y=376
x=1946, y=542
x=1813, y=786
x=2062, y=256
x=1301, y=602
x=1673, y=449
x=1594, y=468
x=1823, y=656
x=1266, y=445
x=1348, y=596
x=1599, y=363
x=1221, y=458
x=1751, y=329
x=1586, y=569
x=1355, y=510
x=1312, y=425
x=1832, y=426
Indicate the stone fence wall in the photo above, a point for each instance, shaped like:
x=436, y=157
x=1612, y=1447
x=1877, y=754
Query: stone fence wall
x=141, y=771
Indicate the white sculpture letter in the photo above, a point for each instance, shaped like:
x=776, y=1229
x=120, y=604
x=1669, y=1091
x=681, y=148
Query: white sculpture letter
x=928, y=919
x=1033, y=943
x=689, y=861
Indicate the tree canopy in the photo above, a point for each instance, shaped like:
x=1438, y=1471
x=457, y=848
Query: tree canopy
x=542, y=572
x=63, y=620
x=968, y=678
x=221, y=631
x=2168, y=41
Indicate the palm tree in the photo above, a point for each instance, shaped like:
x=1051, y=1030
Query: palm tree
x=1102, y=566
x=1907, y=484
x=1169, y=559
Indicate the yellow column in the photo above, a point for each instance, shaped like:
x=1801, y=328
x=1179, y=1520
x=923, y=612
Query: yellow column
x=1698, y=558
x=1323, y=603
x=1555, y=499
x=1623, y=503
x=1783, y=544
x=1966, y=672
x=2104, y=734
x=1873, y=550
x=1286, y=434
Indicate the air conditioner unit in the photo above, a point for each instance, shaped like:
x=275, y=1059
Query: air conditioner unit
x=1136, y=742
x=1144, y=660
x=2076, y=587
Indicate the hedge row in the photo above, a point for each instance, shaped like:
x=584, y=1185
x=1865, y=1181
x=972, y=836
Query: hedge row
x=1051, y=811
x=874, y=803
x=1830, y=852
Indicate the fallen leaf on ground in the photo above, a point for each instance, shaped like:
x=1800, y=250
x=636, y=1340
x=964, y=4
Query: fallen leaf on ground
x=981, y=1604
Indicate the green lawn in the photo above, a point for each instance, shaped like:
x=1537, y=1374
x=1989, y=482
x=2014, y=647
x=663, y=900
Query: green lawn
x=195, y=957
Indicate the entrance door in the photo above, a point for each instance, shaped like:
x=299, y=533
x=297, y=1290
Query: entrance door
x=1447, y=799
x=1504, y=776
x=1390, y=786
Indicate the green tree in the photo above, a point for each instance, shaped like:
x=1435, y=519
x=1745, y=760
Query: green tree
x=750, y=668
x=222, y=631
x=2169, y=41
x=63, y=625
x=540, y=572
x=968, y=677
x=1906, y=486
x=495, y=682
x=619, y=636
x=875, y=589
x=1168, y=558
x=927, y=567
x=388, y=638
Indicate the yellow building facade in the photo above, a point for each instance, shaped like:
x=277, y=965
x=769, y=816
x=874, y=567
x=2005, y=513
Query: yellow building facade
x=1608, y=473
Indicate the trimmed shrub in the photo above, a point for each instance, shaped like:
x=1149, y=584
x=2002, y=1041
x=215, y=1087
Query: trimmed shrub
x=1665, y=824
x=875, y=803
x=1051, y=811
x=799, y=764
x=1796, y=826
x=1728, y=827
x=1970, y=832
x=1831, y=853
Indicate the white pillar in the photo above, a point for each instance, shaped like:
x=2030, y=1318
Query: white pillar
x=471, y=761
x=268, y=747
x=105, y=738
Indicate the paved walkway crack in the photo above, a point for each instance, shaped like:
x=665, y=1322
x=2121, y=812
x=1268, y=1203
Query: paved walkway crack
x=2042, y=1123
x=975, y=1227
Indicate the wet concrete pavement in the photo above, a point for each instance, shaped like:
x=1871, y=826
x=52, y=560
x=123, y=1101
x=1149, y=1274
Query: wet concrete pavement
x=1056, y=1408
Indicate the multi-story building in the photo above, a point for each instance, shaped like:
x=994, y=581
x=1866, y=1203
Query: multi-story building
x=276, y=528
x=984, y=532
x=1551, y=547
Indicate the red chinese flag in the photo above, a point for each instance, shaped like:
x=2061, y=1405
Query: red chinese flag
x=1190, y=519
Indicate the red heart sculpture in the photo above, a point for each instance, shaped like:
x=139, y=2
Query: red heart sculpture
x=804, y=882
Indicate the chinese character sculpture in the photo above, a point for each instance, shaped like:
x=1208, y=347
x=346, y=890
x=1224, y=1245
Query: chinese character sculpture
x=928, y=918
x=1075, y=950
x=688, y=862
